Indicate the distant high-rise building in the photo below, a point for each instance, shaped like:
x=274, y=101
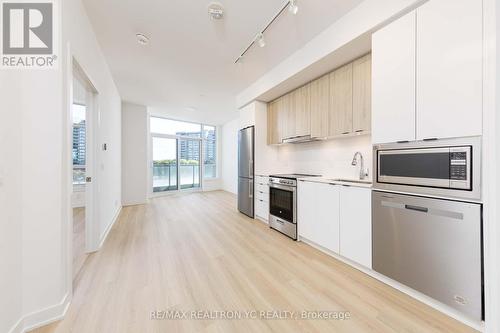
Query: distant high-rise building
x=189, y=149
x=210, y=148
x=79, y=143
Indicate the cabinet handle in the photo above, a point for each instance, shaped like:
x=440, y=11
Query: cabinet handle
x=430, y=139
x=359, y=131
x=402, y=141
x=345, y=133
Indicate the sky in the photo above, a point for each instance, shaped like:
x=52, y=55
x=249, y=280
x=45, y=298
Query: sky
x=78, y=113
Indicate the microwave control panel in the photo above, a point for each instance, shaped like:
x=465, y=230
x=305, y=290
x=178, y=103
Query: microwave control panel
x=458, y=165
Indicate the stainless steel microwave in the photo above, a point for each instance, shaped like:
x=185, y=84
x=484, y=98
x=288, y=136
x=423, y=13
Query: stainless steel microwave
x=448, y=167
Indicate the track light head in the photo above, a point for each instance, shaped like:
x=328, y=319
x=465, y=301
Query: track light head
x=260, y=40
x=293, y=7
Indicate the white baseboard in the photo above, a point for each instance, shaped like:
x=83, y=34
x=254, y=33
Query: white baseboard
x=447, y=310
x=134, y=203
x=43, y=317
x=110, y=226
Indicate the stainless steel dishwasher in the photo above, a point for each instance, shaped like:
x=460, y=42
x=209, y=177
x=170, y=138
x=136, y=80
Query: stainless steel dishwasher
x=431, y=245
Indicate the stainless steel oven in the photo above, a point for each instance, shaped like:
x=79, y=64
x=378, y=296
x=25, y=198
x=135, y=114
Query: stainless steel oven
x=449, y=167
x=283, y=206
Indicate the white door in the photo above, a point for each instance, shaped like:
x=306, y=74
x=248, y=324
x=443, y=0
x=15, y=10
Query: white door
x=318, y=214
x=393, y=81
x=449, y=69
x=306, y=215
x=356, y=225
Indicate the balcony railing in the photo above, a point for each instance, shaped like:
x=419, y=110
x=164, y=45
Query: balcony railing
x=165, y=176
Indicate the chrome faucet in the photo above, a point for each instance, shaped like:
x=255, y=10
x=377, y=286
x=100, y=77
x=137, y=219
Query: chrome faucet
x=362, y=172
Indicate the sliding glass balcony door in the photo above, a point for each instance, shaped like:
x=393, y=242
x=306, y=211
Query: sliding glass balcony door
x=164, y=164
x=189, y=163
x=176, y=164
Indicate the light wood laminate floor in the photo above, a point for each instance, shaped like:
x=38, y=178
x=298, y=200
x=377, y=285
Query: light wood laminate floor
x=196, y=252
x=79, y=254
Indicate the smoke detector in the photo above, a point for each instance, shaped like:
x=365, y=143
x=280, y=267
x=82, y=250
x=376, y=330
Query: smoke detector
x=215, y=11
x=142, y=38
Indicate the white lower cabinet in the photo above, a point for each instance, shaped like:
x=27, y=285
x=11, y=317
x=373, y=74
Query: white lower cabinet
x=262, y=198
x=337, y=218
x=318, y=214
x=356, y=225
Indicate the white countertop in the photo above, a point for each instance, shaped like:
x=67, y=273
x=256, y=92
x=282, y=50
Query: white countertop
x=334, y=181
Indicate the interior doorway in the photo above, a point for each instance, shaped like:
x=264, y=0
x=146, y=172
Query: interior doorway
x=83, y=108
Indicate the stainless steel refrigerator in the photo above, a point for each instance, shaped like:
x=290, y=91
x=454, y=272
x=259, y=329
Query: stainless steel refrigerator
x=246, y=170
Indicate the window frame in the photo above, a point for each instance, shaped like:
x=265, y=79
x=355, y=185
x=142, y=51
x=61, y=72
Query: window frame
x=83, y=167
x=203, y=142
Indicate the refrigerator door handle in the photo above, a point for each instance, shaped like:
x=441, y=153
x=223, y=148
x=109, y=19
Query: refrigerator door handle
x=250, y=189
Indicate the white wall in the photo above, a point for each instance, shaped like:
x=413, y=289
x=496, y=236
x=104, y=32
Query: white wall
x=230, y=155
x=36, y=225
x=10, y=202
x=134, y=154
x=331, y=159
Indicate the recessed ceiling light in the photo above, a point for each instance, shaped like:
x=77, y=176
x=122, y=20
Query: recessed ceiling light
x=142, y=38
x=293, y=8
x=215, y=11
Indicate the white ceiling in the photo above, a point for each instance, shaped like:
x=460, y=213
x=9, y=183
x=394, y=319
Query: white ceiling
x=189, y=62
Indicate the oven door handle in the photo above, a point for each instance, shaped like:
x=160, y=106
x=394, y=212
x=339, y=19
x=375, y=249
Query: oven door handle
x=283, y=187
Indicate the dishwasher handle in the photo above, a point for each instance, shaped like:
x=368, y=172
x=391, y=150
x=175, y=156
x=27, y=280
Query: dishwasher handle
x=417, y=208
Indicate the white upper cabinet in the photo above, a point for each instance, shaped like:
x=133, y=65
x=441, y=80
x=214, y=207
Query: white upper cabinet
x=356, y=225
x=318, y=214
x=393, y=81
x=449, y=69
x=427, y=73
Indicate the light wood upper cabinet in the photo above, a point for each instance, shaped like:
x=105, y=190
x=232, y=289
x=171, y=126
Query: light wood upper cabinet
x=302, y=104
x=361, y=94
x=336, y=104
x=340, y=121
x=320, y=105
x=286, y=116
x=273, y=135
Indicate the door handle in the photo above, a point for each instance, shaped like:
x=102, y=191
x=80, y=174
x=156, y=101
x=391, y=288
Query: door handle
x=417, y=208
x=250, y=189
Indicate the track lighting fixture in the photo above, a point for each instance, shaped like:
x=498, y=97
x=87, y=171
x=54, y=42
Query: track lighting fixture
x=260, y=39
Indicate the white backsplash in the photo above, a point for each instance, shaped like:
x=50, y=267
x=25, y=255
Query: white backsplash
x=331, y=158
